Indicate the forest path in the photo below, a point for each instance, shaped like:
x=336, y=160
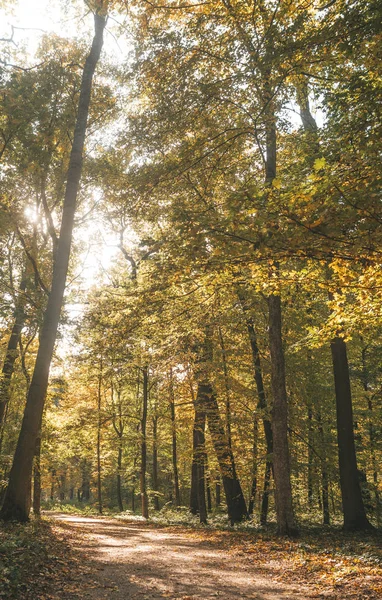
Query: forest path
x=129, y=560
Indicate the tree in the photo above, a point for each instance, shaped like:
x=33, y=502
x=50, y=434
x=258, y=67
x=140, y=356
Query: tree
x=16, y=502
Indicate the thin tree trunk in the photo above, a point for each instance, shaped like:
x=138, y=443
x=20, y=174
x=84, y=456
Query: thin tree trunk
x=324, y=471
x=52, y=482
x=227, y=389
x=198, y=492
x=208, y=485
x=119, y=478
x=37, y=477
x=217, y=492
x=262, y=406
x=352, y=503
x=16, y=503
x=266, y=490
x=173, y=438
x=371, y=430
x=310, y=455
x=252, y=497
x=142, y=477
x=11, y=352
x=155, y=462
x=206, y=400
x=99, y=428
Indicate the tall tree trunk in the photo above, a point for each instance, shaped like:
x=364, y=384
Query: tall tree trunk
x=37, y=477
x=119, y=478
x=372, y=440
x=252, y=497
x=281, y=461
x=352, y=503
x=266, y=490
x=206, y=400
x=142, y=475
x=208, y=484
x=310, y=454
x=262, y=406
x=198, y=492
x=227, y=389
x=11, y=351
x=217, y=492
x=16, y=504
x=155, y=462
x=99, y=430
x=324, y=470
x=173, y=439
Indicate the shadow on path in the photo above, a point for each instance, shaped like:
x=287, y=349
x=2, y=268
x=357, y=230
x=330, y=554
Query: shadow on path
x=132, y=561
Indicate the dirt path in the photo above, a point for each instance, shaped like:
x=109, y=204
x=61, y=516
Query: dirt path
x=131, y=561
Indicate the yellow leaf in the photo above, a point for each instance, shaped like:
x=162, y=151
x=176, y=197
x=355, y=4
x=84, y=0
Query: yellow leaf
x=319, y=163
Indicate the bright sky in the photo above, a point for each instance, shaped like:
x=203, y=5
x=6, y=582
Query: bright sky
x=68, y=18
x=31, y=20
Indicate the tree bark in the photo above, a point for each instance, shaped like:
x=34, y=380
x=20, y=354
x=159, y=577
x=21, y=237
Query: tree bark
x=372, y=436
x=99, y=429
x=324, y=471
x=217, y=492
x=119, y=478
x=281, y=463
x=16, y=504
x=262, y=406
x=206, y=400
x=227, y=389
x=310, y=454
x=37, y=477
x=198, y=492
x=11, y=352
x=142, y=475
x=352, y=503
x=155, y=462
x=174, y=443
x=119, y=429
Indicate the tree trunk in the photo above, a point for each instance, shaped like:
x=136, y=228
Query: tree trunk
x=99, y=428
x=252, y=497
x=198, y=492
x=208, y=484
x=174, y=448
x=372, y=440
x=262, y=406
x=352, y=503
x=142, y=476
x=11, y=352
x=206, y=400
x=310, y=454
x=52, y=484
x=217, y=493
x=281, y=463
x=119, y=478
x=155, y=462
x=324, y=472
x=16, y=503
x=227, y=389
x=265, y=498
x=37, y=477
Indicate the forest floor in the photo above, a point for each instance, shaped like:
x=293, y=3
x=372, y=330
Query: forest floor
x=69, y=557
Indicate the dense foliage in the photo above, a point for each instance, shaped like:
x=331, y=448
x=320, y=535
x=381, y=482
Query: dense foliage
x=233, y=158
